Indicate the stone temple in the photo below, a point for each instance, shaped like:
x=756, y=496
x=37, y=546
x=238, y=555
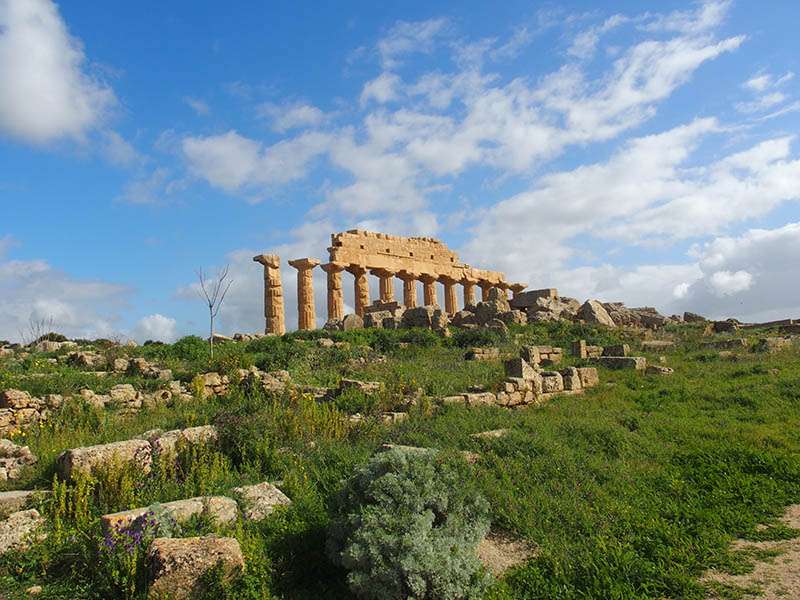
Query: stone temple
x=385, y=256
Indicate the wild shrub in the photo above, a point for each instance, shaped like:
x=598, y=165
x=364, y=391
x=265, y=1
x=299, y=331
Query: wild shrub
x=190, y=348
x=407, y=525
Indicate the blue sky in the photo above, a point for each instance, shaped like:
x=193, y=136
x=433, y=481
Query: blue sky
x=614, y=153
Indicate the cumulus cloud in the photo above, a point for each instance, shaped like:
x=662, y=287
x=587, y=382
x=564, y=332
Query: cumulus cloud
x=200, y=107
x=156, y=327
x=763, y=87
x=406, y=37
x=291, y=116
x=79, y=308
x=46, y=90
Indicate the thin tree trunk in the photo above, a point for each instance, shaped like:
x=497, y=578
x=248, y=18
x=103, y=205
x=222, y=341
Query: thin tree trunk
x=211, y=338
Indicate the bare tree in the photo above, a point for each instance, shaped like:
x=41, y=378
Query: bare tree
x=211, y=294
x=37, y=328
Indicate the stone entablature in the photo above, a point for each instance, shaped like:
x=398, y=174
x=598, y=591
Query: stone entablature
x=383, y=256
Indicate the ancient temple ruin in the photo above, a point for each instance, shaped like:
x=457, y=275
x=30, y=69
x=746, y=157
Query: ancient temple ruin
x=384, y=256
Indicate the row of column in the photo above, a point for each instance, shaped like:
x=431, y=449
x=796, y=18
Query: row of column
x=273, y=292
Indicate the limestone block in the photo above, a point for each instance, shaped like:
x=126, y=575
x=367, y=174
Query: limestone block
x=15, y=399
x=657, y=344
x=530, y=354
x=503, y=398
x=175, y=566
x=480, y=398
x=773, y=344
x=588, y=376
x=552, y=382
x=616, y=350
x=122, y=393
x=623, y=362
x=737, y=343
x=352, y=321
x=493, y=434
x=572, y=379
x=518, y=367
x=592, y=311
x=691, y=317
x=497, y=325
x=657, y=370
x=578, y=348
x=515, y=398
x=17, y=531
x=519, y=384
x=90, y=458
x=193, y=436
x=18, y=499
x=455, y=399
x=729, y=326
x=258, y=501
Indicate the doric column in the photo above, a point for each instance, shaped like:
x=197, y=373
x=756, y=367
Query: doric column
x=387, y=283
x=469, y=290
x=335, y=294
x=273, y=293
x=409, y=288
x=517, y=288
x=361, y=288
x=306, y=315
x=450, y=296
x=485, y=287
x=429, y=289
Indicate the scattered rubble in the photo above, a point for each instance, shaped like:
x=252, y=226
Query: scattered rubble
x=13, y=459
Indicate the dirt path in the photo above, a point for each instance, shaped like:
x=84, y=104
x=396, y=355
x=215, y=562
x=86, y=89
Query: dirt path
x=773, y=578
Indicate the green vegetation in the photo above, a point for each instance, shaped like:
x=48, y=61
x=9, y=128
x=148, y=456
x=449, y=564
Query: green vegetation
x=629, y=491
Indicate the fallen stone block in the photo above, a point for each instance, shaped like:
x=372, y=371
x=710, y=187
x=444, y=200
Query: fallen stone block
x=480, y=398
x=518, y=367
x=454, y=399
x=493, y=434
x=657, y=344
x=616, y=350
x=588, y=376
x=622, y=362
x=773, y=344
x=571, y=378
x=552, y=382
x=530, y=354
x=734, y=344
x=17, y=500
x=90, y=458
x=176, y=566
x=193, y=436
x=18, y=530
x=258, y=501
x=657, y=370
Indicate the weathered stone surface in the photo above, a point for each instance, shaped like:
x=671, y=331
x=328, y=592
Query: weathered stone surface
x=616, y=350
x=657, y=344
x=493, y=434
x=18, y=499
x=479, y=398
x=16, y=531
x=175, y=566
x=734, y=344
x=193, y=436
x=221, y=509
x=657, y=370
x=773, y=344
x=592, y=311
x=623, y=362
x=571, y=378
x=589, y=376
x=690, y=317
x=498, y=326
x=530, y=354
x=578, y=348
x=365, y=387
x=726, y=326
x=646, y=316
x=12, y=398
x=552, y=382
x=90, y=458
x=470, y=457
x=454, y=399
x=518, y=367
x=258, y=501
x=525, y=300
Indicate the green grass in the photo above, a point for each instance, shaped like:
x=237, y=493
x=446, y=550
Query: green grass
x=630, y=491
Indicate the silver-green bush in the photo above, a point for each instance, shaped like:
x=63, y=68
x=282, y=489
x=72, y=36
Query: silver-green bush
x=406, y=526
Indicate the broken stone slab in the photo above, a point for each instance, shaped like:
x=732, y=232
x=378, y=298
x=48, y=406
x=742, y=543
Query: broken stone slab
x=219, y=508
x=493, y=434
x=622, y=362
x=394, y=417
x=519, y=367
x=657, y=344
x=454, y=399
x=480, y=398
x=366, y=387
x=592, y=311
x=530, y=354
x=690, y=317
x=725, y=344
x=176, y=566
x=259, y=500
x=15, y=399
x=552, y=382
x=616, y=350
x=657, y=370
x=589, y=376
x=773, y=344
x=18, y=529
x=17, y=500
x=193, y=436
x=571, y=378
x=90, y=458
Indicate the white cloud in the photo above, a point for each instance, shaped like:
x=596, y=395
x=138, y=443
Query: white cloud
x=707, y=16
x=291, y=116
x=156, y=327
x=764, y=88
x=585, y=43
x=200, y=107
x=231, y=161
x=118, y=151
x=82, y=308
x=725, y=283
x=405, y=38
x=7, y=242
x=148, y=190
x=382, y=89
x=46, y=92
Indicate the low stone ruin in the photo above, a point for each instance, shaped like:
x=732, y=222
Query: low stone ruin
x=19, y=529
x=13, y=459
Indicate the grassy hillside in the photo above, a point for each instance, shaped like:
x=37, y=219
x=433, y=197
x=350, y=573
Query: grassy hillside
x=630, y=490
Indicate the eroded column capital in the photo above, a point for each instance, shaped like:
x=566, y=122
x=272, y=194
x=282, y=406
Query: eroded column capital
x=408, y=275
x=356, y=270
x=333, y=267
x=268, y=260
x=517, y=287
x=382, y=272
x=301, y=264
